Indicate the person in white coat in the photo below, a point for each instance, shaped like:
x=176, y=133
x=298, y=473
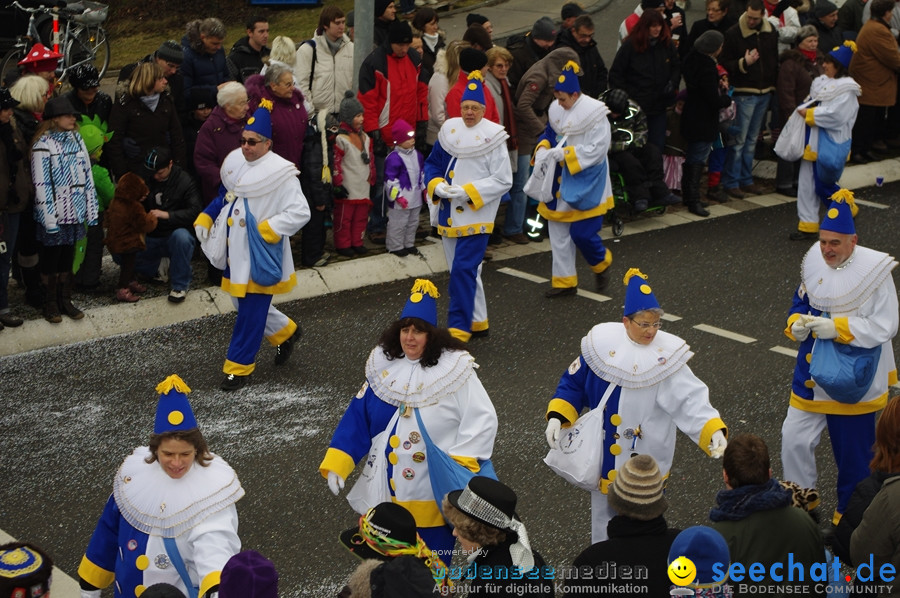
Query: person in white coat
x=245, y=232
x=637, y=379
x=847, y=294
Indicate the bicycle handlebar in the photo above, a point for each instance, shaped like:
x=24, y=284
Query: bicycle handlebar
x=44, y=9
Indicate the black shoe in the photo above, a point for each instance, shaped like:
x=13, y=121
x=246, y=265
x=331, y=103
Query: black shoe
x=233, y=382
x=799, y=235
x=602, y=280
x=696, y=208
x=412, y=251
x=377, y=238
x=495, y=239
x=786, y=191
x=859, y=158
x=284, y=350
x=560, y=292
x=669, y=200
x=346, y=252
x=400, y=253
x=640, y=205
x=10, y=321
x=481, y=333
x=717, y=193
x=360, y=250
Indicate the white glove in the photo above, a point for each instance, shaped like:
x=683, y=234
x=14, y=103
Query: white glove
x=799, y=329
x=90, y=593
x=552, y=432
x=823, y=327
x=457, y=192
x=718, y=444
x=202, y=233
x=556, y=154
x=335, y=483
x=442, y=189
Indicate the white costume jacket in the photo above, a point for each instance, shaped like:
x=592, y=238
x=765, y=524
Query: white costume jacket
x=146, y=506
x=835, y=110
x=380, y=424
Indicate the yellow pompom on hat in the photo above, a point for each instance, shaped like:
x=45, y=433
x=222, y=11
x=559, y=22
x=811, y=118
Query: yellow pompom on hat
x=173, y=411
x=422, y=302
x=639, y=295
x=839, y=216
x=567, y=82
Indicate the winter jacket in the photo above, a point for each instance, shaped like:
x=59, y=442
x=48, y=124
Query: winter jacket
x=595, y=77
x=243, y=61
x=534, y=95
x=429, y=56
x=289, y=118
x=795, y=77
x=680, y=33
x=629, y=130
x=787, y=25
x=651, y=77
x=497, y=556
x=380, y=34
x=127, y=222
x=700, y=119
x=203, y=70
x=63, y=185
x=859, y=501
x=101, y=106
x=333, y=73
x=438, y=86
x=16, y=188
x=850, y=16
x=525, y=54
x=875, y=64
x=176, y=195
x=759, y=77
x=829, y=39
x=878, y=535
x=218, y=136
x=390, y=89
x=139, y=129
x=174, y=88
x=702, y=26
x=454, y=99
x=350, y=171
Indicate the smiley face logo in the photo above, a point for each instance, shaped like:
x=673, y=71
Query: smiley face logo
x=682, y=571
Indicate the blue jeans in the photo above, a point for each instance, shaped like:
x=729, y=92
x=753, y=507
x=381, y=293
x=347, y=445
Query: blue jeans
x=515, y=210
x=179, y=248
x=697, y=152
x=751, y=109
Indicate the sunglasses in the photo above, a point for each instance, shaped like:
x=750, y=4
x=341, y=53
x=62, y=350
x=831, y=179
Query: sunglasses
x=250, y=142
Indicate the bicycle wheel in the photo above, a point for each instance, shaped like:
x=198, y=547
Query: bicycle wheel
x=89, y=45
x=9, y=65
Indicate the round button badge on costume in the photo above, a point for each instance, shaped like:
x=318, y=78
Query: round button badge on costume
x=408, y=473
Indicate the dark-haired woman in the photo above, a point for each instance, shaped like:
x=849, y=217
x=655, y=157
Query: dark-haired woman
x=171, y=517
x=647, y=67
x=421, y=389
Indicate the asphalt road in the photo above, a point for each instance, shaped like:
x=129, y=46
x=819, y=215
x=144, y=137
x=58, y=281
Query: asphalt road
x=70, y=415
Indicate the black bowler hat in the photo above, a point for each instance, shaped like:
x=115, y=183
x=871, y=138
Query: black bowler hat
x=59, y=106
x=486, y=500
x=384, y=522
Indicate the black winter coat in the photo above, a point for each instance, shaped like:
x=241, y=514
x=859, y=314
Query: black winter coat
x=702, y=26
x=139, y=129
x=244, y=61
x=595, y=79
x=700, y=119
x=859, y=501
x=498, y=556
x=651, y=78
x=178, y=196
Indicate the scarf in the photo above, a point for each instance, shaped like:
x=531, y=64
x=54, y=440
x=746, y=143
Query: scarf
x=770, y=9
x=506, y=96
x=151, y=101
x=431, y=40
x=741, y=502
x=810, y=54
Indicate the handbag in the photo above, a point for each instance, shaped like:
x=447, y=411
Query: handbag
x=584, y=191
x=832, y=157
x=539, y=185
x=216, y=245
x=371, y=488
x=265, y=257
x=843, y=371
x=792, y=139
x=579, y=455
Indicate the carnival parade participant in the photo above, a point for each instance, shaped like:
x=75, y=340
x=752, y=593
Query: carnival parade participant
x=263, y=206
x=171, y=517
x=640, y=376
x=466, y=174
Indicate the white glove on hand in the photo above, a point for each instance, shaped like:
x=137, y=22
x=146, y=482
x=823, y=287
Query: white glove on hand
x=457, y=192
x=335, y=483
x=556, y=154
x=823, y=327
x=442, y=189
x=799, y=329
x=202, y=233
x=717, y=445
x=552, y=432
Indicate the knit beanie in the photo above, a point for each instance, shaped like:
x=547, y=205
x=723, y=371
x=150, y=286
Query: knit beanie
x=399, y=32
x=249, y=574
x=709, y=42
x=705, y=547
x=475, y=19
x=381, y=6
x=544, y=29
x=824, y=8
x=171, y=51
x=637, y=490
x=402, y=131
x=350, y=107
x=571, y=10
x=471, y=59
x=616, y=100
x=478, y=36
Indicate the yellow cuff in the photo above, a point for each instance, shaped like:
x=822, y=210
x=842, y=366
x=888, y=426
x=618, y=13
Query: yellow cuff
x=474, y=196
x=708, y=430
x=460, y=334
x=843, y=330
x=204, y=220
x=94, y=575
x=470, y=463
x=210, y=582
x=790, y=322
x=810, y=118
x=337, y=461
x=238, y=369
x=268, y=235
x=571, y=160
x=602, y=266
x=431, y=185
x=808, y=227
x=565, y=409
x=809, y=155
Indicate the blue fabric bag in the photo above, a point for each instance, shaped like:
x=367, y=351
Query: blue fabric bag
x=584, y=191
x=265, y=258
x=446, y=474
x=831, y=158
x=843, y=371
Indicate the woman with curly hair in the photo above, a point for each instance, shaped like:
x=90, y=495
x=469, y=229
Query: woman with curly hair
x=422, y=409
x=204, y=55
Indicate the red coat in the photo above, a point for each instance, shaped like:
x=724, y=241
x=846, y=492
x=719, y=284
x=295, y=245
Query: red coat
x=454, y=99
x=390, y=89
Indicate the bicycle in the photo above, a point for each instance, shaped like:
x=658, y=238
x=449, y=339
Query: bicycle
x=76, y=28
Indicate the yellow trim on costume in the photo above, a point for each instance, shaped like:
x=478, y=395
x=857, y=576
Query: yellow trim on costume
x=94, y=575
x=810, y=119
x=576, y=215
x=470, y=463
x=460, y=334
x=808, y=227
x=337, y=461
x=813, y=504
x=543, y=144
x=565, y=409
x=602, y=266
x=268, y=235
x=707, y=432
x=809, y=155
x=463, y=231
x=425, y=512
x=571, y=160
x=283, y=334
x=430, y=189
x=204, y=220
x=241, y=290
x=790, y=322
x=474, y=196
x=892, y=378
x=843, y=330
x=209, y=582
x=238, y=369
x=838, y=408
x=564, y=282
x=836, y=518
x=479, y=326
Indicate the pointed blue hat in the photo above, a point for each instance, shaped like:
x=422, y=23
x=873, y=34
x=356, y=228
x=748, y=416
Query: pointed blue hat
x=421, y=303
x=839, y=217
x=639, y=295
x=568, y=79
x=474, y=89
x=261, y=121
x=173, y=412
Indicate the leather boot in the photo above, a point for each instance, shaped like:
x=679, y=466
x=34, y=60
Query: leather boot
x=64, y=288
x=51, y=308
x=35, y=294
x=690, y=189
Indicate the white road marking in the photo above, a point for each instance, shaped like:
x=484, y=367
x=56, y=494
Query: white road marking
x=725, y=333
x=670, y=317
x=784, y=351
x=871, y=204
x=523, y=275
x=593, y=296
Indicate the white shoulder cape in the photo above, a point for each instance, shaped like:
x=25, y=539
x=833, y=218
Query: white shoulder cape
x=461, y=141
x=846, y=289
x=403, y=382
x=579, y=118
x=613, y=356
x=258, y=178
x=825, y=88
x=153, y=502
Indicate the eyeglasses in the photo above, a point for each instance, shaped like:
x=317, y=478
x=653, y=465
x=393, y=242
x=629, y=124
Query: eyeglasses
x=250, y=142
x=645, y=325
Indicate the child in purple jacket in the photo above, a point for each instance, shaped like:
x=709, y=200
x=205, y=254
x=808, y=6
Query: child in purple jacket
x=404, y=185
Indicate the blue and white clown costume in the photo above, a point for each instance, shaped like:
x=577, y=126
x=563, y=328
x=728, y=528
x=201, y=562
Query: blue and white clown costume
x=380, y=427
x=654, y=392
x=269, y=189
x=860, y=300
x=467, y=173
x=578, y=138
x=152, y=521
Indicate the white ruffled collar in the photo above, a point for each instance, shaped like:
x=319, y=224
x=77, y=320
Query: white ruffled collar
x=613, y=356
x=258, y=178
x=825, y=88
x=404, y=382
x=461, y=141
x=844, y=290
x=154, y=503
x=579, y=118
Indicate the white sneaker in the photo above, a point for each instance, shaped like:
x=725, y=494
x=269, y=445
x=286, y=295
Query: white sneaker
x=177, y=296
x=163, y=272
